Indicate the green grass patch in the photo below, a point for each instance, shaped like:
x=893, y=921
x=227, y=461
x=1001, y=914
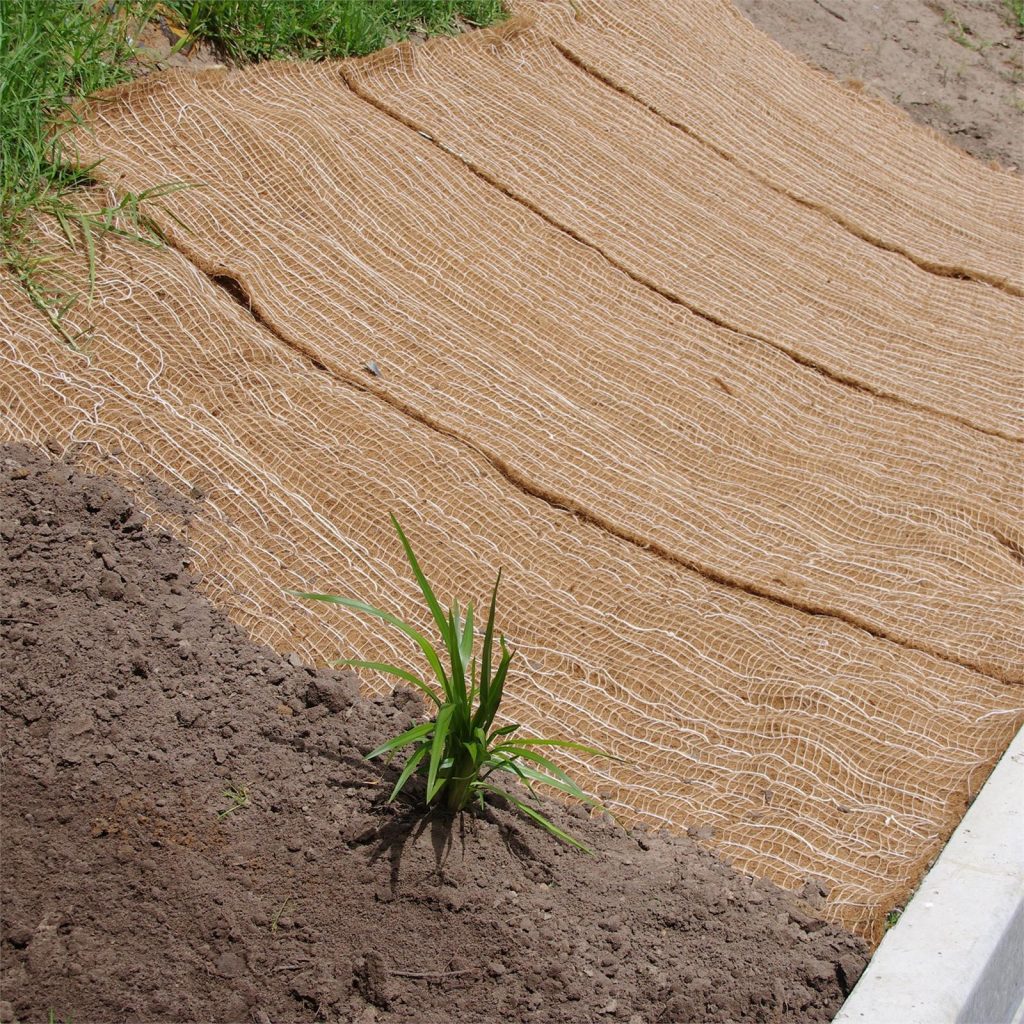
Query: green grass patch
x=253, y=30
x=460, y=753
x=237, y=797
x=53, y=53
x=1016, y=8
x=961, y=33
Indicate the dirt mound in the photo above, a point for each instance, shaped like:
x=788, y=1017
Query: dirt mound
x=131, y=888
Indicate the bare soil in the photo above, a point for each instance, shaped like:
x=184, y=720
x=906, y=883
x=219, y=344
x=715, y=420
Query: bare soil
x=954, y=65
x=132, y=709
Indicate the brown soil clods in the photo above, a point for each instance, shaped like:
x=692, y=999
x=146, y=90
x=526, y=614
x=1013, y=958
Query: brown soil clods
x=134, y=714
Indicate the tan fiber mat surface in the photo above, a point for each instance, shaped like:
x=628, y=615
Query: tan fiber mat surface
x=809, y=746
x=700, y=64
x=355, y=239
x=702, y=229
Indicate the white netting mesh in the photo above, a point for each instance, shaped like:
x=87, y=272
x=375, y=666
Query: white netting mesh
x=702, y=66
x=522, y=375
x=366, y=242
x=810, y=747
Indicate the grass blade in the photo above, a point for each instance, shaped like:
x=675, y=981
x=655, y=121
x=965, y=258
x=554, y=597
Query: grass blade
x=90, y=252
x=529, y=776
x=537, y=817
x=485, y=654
x=444, y=717
x=505, y=730
x=466, y=643
x=427, y=590
x=487, y=711
x=568, y=745
x=529, y=755
x=410, y=766
x=360, y=606
x=393, y=670
x=460, y=692
x=417, y=732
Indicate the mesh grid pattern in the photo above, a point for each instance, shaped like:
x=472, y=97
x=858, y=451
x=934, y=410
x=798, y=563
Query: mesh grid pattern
x=582, y=385
x=702, y=66
x=810, y=747
x=792, y=605
x=703, y=230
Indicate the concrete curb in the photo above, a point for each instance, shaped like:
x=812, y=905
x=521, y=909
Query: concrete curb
x=956, y=955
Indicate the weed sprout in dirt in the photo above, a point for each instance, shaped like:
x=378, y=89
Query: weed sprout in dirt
x=460, y=749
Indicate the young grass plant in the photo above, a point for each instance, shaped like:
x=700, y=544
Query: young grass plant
x=53, y=53
x=460, y=751
x=252, y=30
x=238, y=797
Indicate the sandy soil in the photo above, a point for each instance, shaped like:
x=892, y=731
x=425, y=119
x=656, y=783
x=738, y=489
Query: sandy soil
x=955, y=65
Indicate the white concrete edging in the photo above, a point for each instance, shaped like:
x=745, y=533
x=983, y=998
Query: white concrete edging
x=956, y=956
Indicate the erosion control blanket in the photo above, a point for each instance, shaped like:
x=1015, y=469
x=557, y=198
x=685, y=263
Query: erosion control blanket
x=703, y=231
x=762, y=540
x=365, y=242
x=701, y=66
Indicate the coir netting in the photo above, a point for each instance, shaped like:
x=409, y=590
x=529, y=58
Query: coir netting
x=754, y=481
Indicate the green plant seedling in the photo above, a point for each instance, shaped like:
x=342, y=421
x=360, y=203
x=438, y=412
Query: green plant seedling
x=460, y=750
x=239, y=797
x=276, y=917
x=962, y=34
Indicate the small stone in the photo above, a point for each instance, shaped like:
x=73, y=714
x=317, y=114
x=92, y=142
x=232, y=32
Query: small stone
x=79, y=725
x=6, y=1012
x=19, y=473
x=336, y=694
x=111, y=586
x=851, y=967
x=815, y=891
x=820, y=973
x=374, y=980
x=495, y=969
x=188, y=715
x=231, y=965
